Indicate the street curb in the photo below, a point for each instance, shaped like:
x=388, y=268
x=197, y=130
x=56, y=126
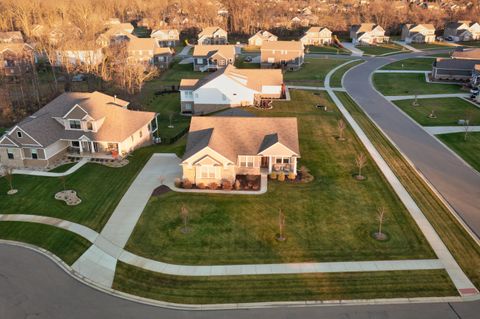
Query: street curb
x=232, y=306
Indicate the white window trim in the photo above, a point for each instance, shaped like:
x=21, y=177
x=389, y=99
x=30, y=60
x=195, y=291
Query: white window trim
x=246, y=161
x=207, y=170
x=70, y=126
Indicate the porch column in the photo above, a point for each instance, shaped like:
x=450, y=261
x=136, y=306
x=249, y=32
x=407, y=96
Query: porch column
x=92, y=147
x=269, y=164
x=119, y=149
x=294, y=164
x=81, y=148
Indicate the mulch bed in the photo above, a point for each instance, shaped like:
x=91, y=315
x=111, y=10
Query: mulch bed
x=160, y=190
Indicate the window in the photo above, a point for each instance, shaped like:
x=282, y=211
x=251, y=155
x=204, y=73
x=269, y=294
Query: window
x=188, y=94
x=199, y=61
x=34, y=153
x=75, y=144
x=90, y=126
x=188, y=107
x=246, y=161
x=75, y=124
x=278, y=160
x=286, y=160
x=10, y=153
x=140, y=134
x=19, y=134
x=207, y=171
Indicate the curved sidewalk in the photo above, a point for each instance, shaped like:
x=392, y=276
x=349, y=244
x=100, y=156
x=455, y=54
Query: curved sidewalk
x=71, y=170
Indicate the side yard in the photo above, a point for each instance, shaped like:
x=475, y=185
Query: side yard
x=468, y=149
x=313, y=71
x=421, y=64
x=382, y=49
x=410, y=84
x=446, y=111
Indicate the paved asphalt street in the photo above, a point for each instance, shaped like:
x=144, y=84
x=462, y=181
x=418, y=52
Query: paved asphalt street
x=32, y=286
x=458, y=183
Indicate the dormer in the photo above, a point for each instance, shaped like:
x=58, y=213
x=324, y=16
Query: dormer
x=78, y=119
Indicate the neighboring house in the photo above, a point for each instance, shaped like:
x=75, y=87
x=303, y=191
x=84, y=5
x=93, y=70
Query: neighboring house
x=16, y=57
x=220, y=148
x=212, y=35
x=317, y=36
x=454, y=69
x=229, y=87
x=260, y=37
x=148, y=52
x=476, y=78
x=76, y=124
x=462, y=31
x=368, y=33
x=418, y=33
x=166, y=37
x=79, y=56
x=467, y=54
x=282, y=54
x=212, y=57
x=116, y=33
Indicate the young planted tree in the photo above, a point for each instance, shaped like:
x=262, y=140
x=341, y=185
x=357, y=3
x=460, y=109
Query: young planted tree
x=341, y=129
x=8, y=174
x=360, y=161
x=381, y=219
x=466, y=126
x=281, y=226
x=170, y=119
x=184, y=217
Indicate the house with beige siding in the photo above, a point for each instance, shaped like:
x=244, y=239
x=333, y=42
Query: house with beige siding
x=76, y=124
x=317, y=36
x=229, y=87
x=462, y=31
x=147, y=51
x=166, y=37
x=212, y=57
x=368, y=33
x=221, y=148
x=115, y=34
x=213, y=35
x=418, y=33
x=260, y=37
x=16, y=56
x=282, y=54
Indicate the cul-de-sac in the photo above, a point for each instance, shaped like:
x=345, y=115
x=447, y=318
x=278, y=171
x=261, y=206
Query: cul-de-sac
x=233, y=159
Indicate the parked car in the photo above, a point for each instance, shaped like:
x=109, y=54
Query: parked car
x=449, y=38
x=474, y=91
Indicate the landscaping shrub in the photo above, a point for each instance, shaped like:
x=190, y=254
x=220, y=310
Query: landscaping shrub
x=306, y=176
x=178, y=182
x=281, y=176
x=273, y=175
x=291, y=176
x=226, y=185
x=256, y=187
x=187, y=184
x=237, y=185
x=201, y=186
x=213, y=185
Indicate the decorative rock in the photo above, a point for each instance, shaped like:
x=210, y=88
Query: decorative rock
x=12, y=192
x=69, y=197
x=117, y=163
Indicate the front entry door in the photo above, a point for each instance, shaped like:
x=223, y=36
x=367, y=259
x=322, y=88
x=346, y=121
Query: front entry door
x=264, y=163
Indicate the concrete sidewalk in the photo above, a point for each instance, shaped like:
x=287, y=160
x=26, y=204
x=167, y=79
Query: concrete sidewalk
x=71, y=170
x=406, y=46
x=434, y=130
x=402, y=71
x=355, y=51
x=458, y=277
x=425, y=96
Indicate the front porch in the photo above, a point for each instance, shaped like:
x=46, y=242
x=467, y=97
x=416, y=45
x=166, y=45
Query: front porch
x=284, y=164
x=94, y=150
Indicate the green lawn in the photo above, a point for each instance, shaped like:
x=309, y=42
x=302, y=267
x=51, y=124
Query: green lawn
x=240, y=63
x=469, y=150
x=421, y=64
x=99, y=187
x=410, y=84
x=63, y=243
x=313, y=72
x=297, y=287
x=327, y=49
x=329, y=219
x=432, y=46
x=336, y=78
x=457, y=240
x=62, y=168
x=447, y=110
x=176, y=72
x=379, y=49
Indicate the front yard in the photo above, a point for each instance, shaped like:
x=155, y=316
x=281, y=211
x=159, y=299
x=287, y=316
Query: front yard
x=329, y=219
x=468, y=149
x=446, y=110
x=410, y=84
x=327, y=49
x=99, y=187
x=432, y=46
x=382, y=49
x=313, y=72
x=420, y=64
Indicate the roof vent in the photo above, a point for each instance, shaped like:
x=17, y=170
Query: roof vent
x=115, y=98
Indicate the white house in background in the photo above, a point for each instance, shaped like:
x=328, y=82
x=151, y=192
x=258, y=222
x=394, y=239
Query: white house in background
x=317, y=36
x=212, y=35
x=418, y=33
x=462, y=31
x=261, y=36
x=229, y=87
x=367, y=33
x=166, y=37
x=79, y=56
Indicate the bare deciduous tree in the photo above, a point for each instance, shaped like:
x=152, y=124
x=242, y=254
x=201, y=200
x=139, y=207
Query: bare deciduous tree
x=381, y=219
x=341, y=129
x=466, y=126
x=360, y=161
x=8, y=174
